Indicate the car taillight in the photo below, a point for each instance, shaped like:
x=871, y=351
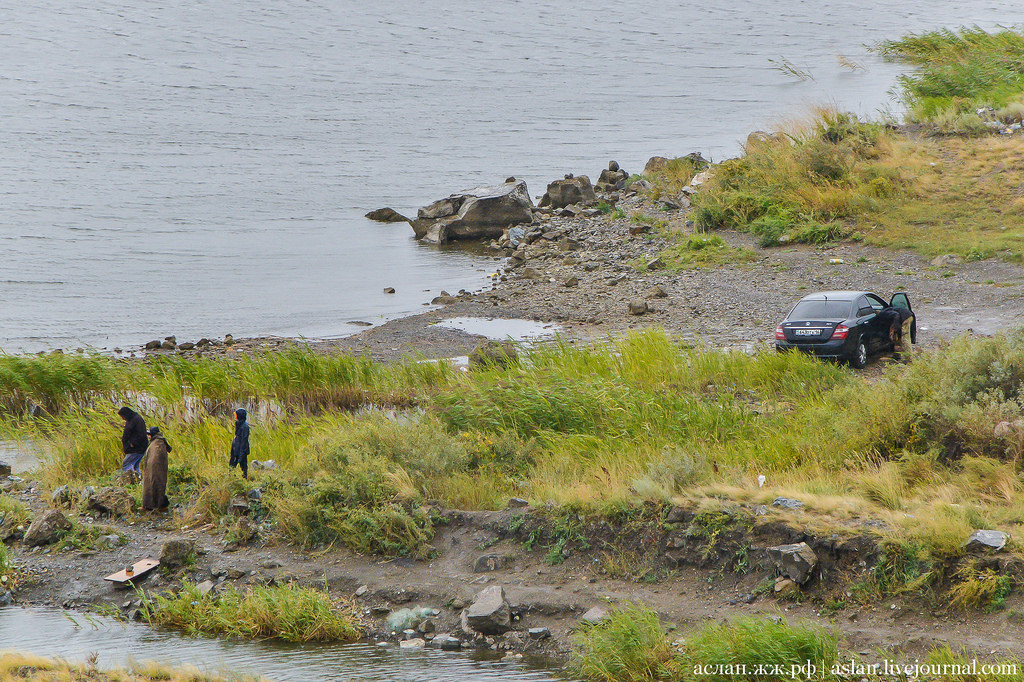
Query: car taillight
x=840, y=331
x=779, y=334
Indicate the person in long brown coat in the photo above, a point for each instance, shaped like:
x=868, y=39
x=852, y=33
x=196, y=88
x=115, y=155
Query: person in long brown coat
x=154, y=477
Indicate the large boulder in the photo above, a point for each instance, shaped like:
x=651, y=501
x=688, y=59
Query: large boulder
x=489, y=614
x=112, y=501
x=479, y=213
x=986, y=540
x=795, y=562
x=571, y=190
x=46, y=528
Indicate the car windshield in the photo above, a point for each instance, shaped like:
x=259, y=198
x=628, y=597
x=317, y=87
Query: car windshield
x=820, y=310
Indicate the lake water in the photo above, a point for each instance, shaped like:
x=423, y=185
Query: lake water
x=202, y=168
x=74, y=636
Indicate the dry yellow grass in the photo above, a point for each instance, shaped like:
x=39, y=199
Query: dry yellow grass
x=15, y=667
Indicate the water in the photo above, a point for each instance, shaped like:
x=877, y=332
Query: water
x=202, y=168
x=73, y=636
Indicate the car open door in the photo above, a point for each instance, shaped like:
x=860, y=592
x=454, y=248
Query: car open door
x=901, y=300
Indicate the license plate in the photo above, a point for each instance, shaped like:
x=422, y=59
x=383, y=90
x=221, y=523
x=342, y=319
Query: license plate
x=805, y=332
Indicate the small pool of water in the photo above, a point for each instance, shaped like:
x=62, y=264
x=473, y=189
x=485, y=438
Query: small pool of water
x=74, y=636
x=502, y=329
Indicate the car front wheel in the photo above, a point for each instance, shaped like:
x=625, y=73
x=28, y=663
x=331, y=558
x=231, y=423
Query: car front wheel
x=859, y=359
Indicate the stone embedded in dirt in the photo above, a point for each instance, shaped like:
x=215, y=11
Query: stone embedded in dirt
x=639, y=308
x=678, y=515
x=413, y=643
x=271, y=564
x=46, y=528
x=490, y=353
x=109, y=541
x=569, y=191
x=787, y=503
x=177, y=553
x=641, y=228
x=657, y=291
x=112, y=501
x=362, y=589
x=594, y=615
x=946, y=259
x=993, y=540
x=795, y=562
x=188, y=345
x=517, y=503
x=538, y=633
x=655, y=264
x=205, y=587
x=386, y=215
x=571, y=282
x=785, y=587
x=489, y=562
x=5, y=468
x=152, y=345
x=489, y=614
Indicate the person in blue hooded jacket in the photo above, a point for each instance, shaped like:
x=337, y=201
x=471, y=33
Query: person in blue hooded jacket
x=240, y=445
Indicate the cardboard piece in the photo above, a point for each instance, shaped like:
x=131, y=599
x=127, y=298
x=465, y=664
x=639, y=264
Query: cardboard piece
x=139, y=568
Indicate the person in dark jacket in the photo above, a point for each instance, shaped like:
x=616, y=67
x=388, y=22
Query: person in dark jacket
x=900, y=322
x=240, y=445
x=154, y=480
x=133, y=441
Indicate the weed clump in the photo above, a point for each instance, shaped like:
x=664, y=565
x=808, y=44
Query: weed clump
x=627, y=646
x=286, y=612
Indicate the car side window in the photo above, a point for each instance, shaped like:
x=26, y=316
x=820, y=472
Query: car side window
x=864, y=308
x=876, y=303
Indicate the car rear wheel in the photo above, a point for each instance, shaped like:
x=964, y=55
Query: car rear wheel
x=859, y=359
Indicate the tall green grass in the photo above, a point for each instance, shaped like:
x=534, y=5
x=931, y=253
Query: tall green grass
x=287, y=612
x=959, y=70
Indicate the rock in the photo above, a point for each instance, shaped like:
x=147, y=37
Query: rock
x=203, y=342
x=1002, y=429
x=760, y=138
x=152, y=345
x=479, y=213
x=177, y=553
x=538, y=634
x=109, y=541
x=531, y=273
x=205, y=587
x=784, y=587
x=389, y=290
x=266, y=465
x=795, y=562
x=229, y=340
x=701, y=178
x=490, y=353
x=6, y=598
x=672, y=203
x=657, y=291
x=417, y=643
x=5, y=468
x=595, y=615
x=571, y=190
x=639, y=308
x=613, y=166
x=386, y=215
x=271, y=564
x=677, y=515
x=640, y=185
x=655, y=164
x=987, y=540
x=655, y=264
x=572, y=282
x=787, y=503
x=488, y=562
x=517, y=503
x=946, y=259
x=112, y=501
x=188, y=345
x=591, y=266
x=46, y=528
x=516, y=235
x=611, y=178
x=426, y=626
x=489, y=614
x=446, y=642
x=238, y=506
x=62, y=496
x=361, y=590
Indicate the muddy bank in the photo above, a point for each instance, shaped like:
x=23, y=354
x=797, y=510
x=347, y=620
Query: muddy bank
x=554, y=569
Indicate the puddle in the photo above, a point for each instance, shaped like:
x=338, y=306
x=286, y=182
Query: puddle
x=501, y=329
